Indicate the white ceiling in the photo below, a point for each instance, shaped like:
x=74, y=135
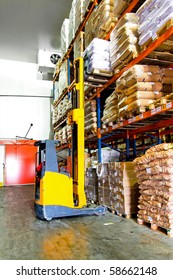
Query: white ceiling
x=29, y=25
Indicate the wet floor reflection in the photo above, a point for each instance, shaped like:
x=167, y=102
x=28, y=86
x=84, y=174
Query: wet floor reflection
x=22, y=236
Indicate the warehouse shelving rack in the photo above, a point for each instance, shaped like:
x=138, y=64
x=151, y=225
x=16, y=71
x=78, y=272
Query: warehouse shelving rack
x=150, y=121
x=123, y=125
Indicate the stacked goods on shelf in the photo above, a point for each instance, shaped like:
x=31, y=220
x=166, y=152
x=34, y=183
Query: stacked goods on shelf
x=109, y=155
x=87, y=160
x=55, y=116
x=155, y=16
x=123, y=187
x=58, y=135
x=124, y=42
x=63, y=81
x=91, y=185
x=93, y=159
x=167, y=85
x=110, y=113
x=89, y=90
x=120, y=7
x=56, y=91
x=117, y=187
x=90, y=117
x=69, y=133
x=97, y=57
x=57, y=68
x=137, y=88
x=79, y=14
x=64, y=36
x=86, y=5
x=167, y=80
x=79, y=45
x=100, y=21
x=155, y=175
x=71, y=34
x=64, y=134
x=60, y=111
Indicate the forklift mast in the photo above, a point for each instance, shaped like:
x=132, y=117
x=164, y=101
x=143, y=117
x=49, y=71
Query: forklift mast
x=76, y=120
x=56, y=194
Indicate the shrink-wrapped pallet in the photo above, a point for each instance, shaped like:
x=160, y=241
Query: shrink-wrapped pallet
x=103, y=184
x=97, y=56
x=64, y=36
x=71, y=34
x=108, y=155
x=155, y=176
x=91, y=185
x=79, y=14
x=155, y=16
x=124, y=41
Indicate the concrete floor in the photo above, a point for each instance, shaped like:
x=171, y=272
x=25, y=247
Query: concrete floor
x=23, y=237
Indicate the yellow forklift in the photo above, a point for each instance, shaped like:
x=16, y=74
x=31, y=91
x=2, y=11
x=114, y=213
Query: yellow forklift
x=59, y=195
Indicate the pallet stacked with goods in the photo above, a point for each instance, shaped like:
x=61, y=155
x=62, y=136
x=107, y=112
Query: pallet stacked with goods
x=128, y=66
x=154, y=172
x=118, y=188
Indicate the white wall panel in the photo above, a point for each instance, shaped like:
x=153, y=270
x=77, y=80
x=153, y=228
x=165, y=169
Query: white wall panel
x=16, y=113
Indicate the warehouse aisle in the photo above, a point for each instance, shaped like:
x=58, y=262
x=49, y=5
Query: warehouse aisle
x=23, y=237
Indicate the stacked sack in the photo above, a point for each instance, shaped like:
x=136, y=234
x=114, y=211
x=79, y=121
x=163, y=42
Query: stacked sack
x=79, y=45
x=124, y=42
x=167, y=80
x=79, y=14
x=64, y=134
x=137, y=88
x=153, y=15
x=64, y=36
x=71, y=33
x=86, y=5
x=154, y=171
x=120, y=6
x=63, y=82
x=110, y=112
x=69, y=133
x=100, y=21
x=97, y=56
x=63, y=107
x=90, y=117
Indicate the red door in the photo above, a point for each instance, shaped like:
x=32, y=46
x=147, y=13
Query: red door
x=19, y=164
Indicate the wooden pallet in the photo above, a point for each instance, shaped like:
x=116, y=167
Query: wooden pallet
x=155, y=227
x=132, y=113
x=147, y=44
x=103, y=73
x=161, y=102
x=165, y=27
x=126, y=216
x=163, y=56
